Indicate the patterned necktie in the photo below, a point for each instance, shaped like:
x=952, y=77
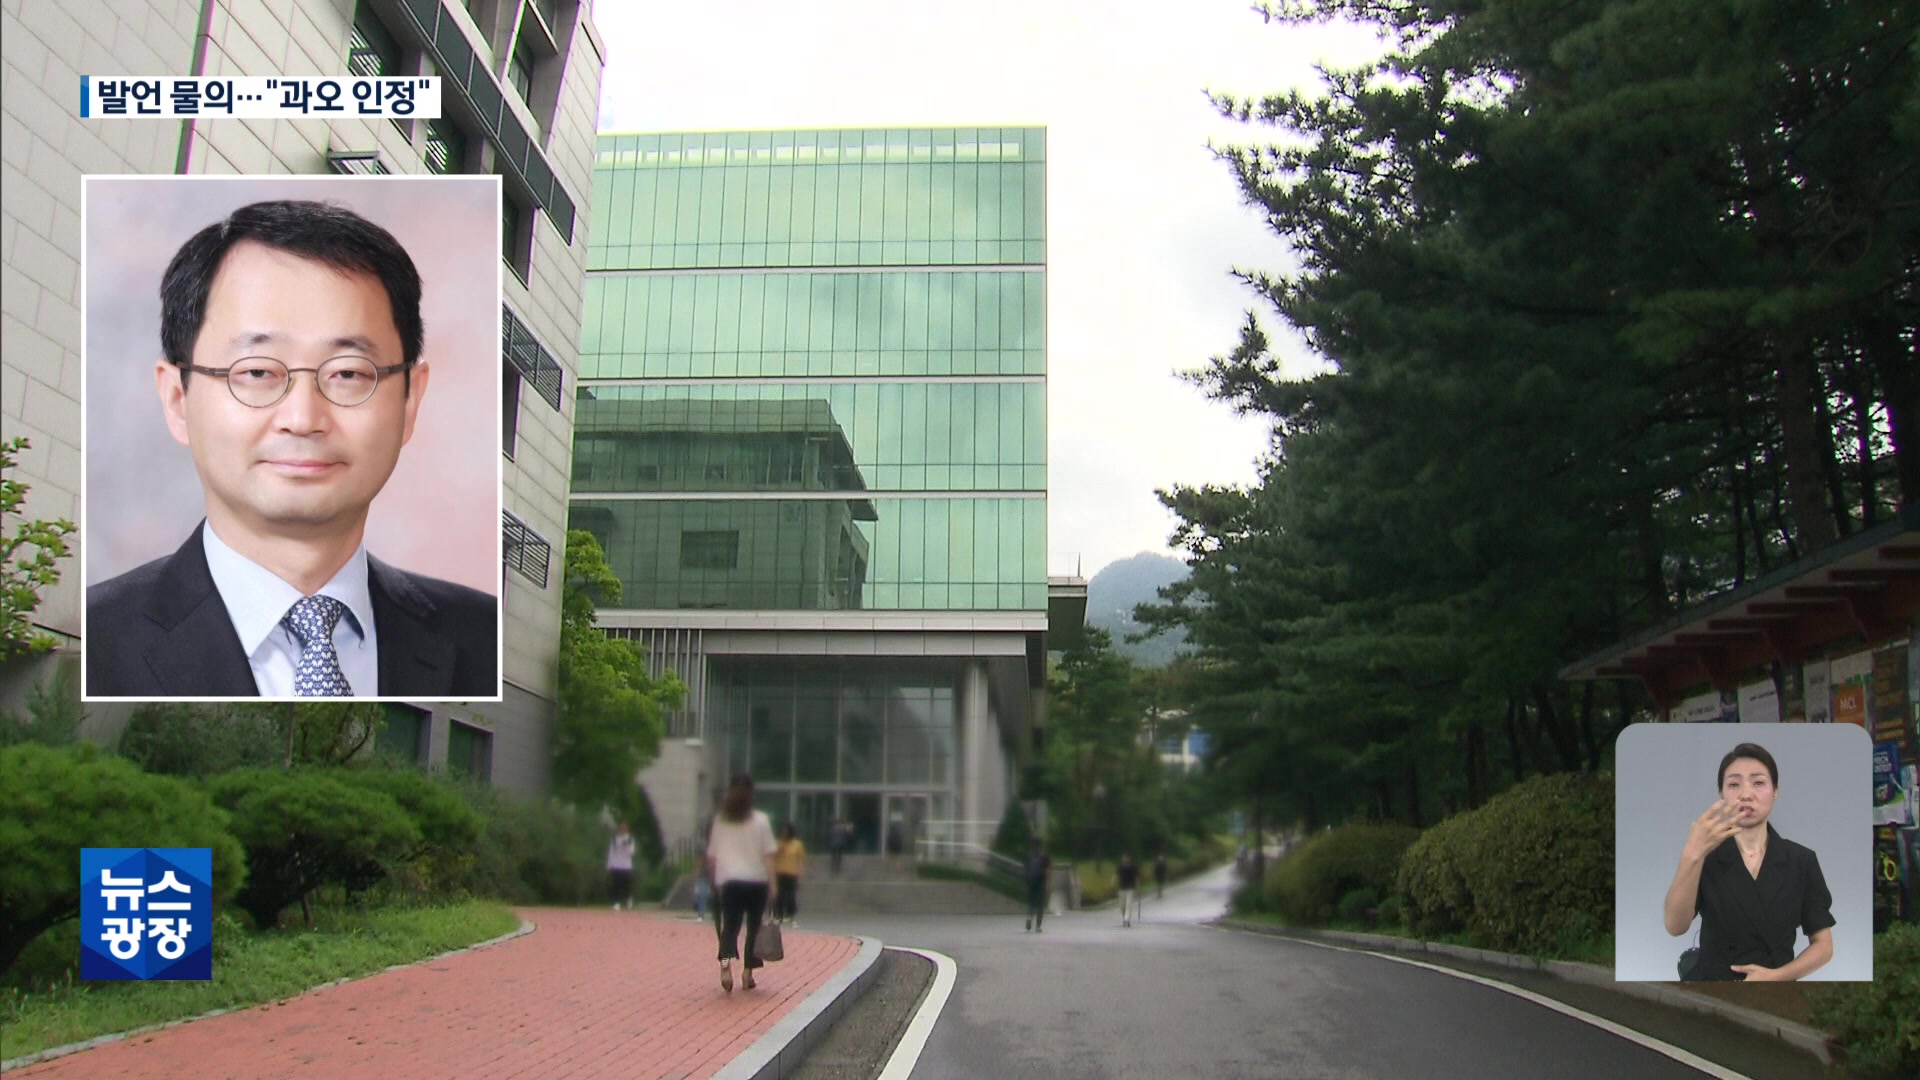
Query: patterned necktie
x=311, y=621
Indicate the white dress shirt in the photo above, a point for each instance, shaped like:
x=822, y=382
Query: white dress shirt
x=257, y=599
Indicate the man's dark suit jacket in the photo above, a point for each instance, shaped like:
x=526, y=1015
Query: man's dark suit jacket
x=162, y=630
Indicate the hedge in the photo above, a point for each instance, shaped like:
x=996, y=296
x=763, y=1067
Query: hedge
x=1530, y=872
x=1878, y=1022
x=1308, y=886
x=55, y=801
x=308, y=828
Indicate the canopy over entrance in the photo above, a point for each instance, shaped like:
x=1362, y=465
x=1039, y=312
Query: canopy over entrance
x=1865, y=588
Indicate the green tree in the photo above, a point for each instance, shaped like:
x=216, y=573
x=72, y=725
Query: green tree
x=1618, y=303
x=53, y=715
x=56, y=800
x=29, y=562
x=610, y=708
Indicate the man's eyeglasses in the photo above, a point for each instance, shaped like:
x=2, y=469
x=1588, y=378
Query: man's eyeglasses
x=260, y=382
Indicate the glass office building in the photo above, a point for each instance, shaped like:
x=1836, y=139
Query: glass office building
x=811, y=433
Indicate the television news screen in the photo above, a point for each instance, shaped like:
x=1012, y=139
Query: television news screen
x=572, y=538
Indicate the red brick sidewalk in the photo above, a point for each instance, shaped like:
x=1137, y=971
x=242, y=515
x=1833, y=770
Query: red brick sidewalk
x=587, y=994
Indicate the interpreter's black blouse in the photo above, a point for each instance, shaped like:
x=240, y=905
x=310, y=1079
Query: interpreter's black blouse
x=1751, y=920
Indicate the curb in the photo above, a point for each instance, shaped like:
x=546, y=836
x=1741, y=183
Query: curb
x=1801, y=1037
x=778, y=1053
x=526, y=927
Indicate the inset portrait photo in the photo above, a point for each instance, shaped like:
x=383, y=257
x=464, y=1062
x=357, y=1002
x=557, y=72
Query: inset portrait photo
x=291, y=437
x=1743, y=853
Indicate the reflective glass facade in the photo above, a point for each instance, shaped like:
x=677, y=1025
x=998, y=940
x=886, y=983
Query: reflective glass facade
x=925, y=197
x=814, y=370
x=772, y=324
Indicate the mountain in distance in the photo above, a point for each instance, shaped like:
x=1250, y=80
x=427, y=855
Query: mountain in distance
x=1113, y=593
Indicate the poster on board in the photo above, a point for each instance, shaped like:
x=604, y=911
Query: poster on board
x=1819, y=698
x=1851, y=676
x=1759, y=703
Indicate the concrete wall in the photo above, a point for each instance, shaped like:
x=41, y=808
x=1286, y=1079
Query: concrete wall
x=674, y=783
x=44, y=149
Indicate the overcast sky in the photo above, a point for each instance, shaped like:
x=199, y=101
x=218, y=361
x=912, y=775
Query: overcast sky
x=1143, y=223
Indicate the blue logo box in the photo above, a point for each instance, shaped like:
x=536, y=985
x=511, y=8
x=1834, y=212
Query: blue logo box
x=146, y=913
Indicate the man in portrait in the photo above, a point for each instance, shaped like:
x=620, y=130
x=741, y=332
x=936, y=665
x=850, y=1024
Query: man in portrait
x=291, y=337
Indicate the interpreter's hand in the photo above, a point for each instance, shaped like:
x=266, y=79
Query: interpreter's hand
x=1756, y=973
x=1710, y=829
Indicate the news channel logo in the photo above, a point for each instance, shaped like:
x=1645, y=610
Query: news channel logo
x=146, y=914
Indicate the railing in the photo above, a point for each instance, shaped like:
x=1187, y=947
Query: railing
x=967, y=843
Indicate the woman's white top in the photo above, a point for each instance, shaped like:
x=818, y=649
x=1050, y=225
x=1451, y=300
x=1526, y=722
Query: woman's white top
x=620, y=852
x=739, y=849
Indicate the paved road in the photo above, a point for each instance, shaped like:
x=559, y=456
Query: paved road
x=1172, y=1000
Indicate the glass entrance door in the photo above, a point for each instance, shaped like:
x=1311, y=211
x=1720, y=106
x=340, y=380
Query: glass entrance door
x=813, y=819
x=907, y=817
x=863, y=812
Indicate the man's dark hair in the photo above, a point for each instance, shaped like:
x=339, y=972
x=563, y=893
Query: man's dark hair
x=1748, y=750
x=322, y=232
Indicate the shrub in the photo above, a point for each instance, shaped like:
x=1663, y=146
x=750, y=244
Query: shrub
x=449, y=826
x=308, y=828
x=1307, y=885
x=1538, y=864
x=1358, y=907
x=187, y=739
x=1878, y=1022
x=53, y=712
x=55, y=801
x=1431, y=880
x=637, y=811
x=1393, y=913
x=1015, y=834
x=534, y=852
x=655, y=883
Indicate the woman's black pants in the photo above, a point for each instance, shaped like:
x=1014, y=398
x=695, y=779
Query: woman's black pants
x=741, y=901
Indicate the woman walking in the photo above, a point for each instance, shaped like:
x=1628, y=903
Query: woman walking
x=789, y=862
x=740, y=852
x=620, y=867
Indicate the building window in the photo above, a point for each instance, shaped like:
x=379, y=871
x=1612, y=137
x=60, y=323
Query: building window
x=469, y=752
x=515, y=239
x=509, y=410
x=373, y=52
x=525, y=551
x=710, y=550
x=403, y=734
x=520, y=73
x=446, y=149
x=716, y=472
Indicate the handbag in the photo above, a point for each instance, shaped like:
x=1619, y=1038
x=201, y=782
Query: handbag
x=1690, y=959
x=767, y=944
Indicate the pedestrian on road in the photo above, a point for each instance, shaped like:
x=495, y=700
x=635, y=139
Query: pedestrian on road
x=1127, y=874
x=620, y=867
x=837, y=842
x=740, y=854
x=1160, y=876
x=1752, y=888
x=789, y=862
x=1038, y=871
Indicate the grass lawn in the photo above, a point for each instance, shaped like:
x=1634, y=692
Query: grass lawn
x=249, y=969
